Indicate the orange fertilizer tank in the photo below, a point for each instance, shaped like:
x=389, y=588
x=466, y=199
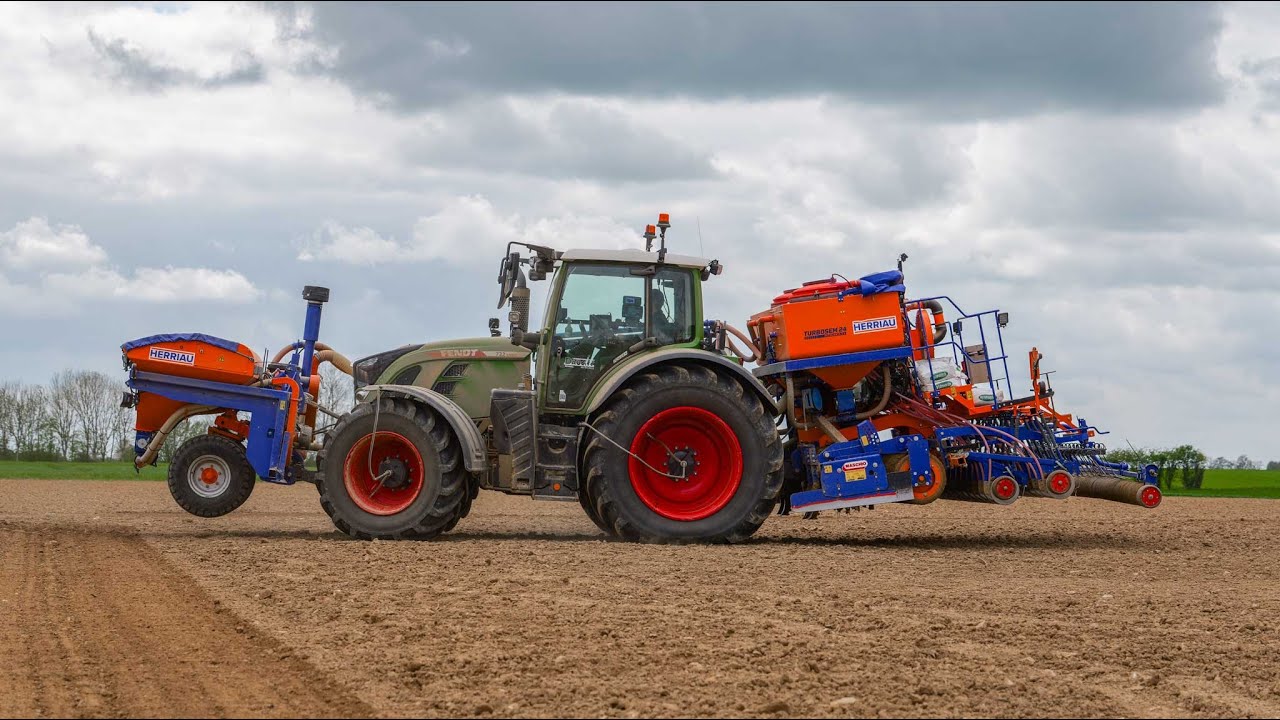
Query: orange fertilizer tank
x=188, y=355
x=829, y=317
x=193, y=355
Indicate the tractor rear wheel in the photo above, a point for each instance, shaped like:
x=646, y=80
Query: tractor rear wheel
x=703, y=459
x=401, y=478
x=210, y=476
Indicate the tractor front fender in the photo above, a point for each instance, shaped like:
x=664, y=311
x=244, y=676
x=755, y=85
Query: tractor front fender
x=473, y=447
x=629, y=368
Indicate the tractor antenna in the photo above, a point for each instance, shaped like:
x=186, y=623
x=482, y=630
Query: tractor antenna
x=701, y=252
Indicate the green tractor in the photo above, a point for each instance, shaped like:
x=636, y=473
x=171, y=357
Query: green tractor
x=625, y=399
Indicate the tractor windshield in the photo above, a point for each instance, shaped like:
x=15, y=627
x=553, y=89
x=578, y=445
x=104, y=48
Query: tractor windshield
x=602, y=313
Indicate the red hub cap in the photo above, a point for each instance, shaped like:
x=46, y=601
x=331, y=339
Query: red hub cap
x=1005, y=487
x=1059, y=482
x=1150, y=496
x=397, y=473
x=209, y=475
x=689, y=443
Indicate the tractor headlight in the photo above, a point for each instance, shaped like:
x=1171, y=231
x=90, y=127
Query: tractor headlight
x=367, y=371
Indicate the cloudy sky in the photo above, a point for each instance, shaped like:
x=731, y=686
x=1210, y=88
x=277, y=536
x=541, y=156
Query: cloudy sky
x=1108, y=174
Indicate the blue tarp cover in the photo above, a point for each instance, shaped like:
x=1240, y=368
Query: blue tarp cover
x=181, y=337
x=881, y=282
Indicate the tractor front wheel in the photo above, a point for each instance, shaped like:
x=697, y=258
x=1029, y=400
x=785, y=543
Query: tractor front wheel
x=702, y=459
x=392, y=469
x=210, y=476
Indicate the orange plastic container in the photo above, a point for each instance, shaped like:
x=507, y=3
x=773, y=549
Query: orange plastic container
x=190, y=355
x=193, y=356
x=813, y=321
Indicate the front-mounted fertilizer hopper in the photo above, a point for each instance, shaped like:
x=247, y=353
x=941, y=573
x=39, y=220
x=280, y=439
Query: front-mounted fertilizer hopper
x=265, y=411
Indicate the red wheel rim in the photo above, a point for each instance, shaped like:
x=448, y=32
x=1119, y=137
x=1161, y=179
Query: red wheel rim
x=1005, y=487
x=1059, y=482
x=365, y=490
x=714, y=469
x=1150, y=496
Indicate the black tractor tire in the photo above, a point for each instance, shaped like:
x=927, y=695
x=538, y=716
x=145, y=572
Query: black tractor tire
x=735, y=512
x=228, y=476
x=444, y=496
x=587, y=499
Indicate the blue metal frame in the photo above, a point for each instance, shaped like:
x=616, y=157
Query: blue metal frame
x=268, y=444
x=958, y=351
x=784, y=366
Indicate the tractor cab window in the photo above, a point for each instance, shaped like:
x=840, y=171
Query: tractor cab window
x=601, y=315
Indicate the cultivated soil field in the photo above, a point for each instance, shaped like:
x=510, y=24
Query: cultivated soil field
x=115, y=602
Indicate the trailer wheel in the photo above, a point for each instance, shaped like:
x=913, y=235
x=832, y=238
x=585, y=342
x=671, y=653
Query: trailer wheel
x=403, y=479
x=706, y=429
x=210, y=476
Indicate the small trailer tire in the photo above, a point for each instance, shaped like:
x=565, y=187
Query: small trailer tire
x=210, y=476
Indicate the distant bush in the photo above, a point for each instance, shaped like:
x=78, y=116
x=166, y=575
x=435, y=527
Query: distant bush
x=1184, y=463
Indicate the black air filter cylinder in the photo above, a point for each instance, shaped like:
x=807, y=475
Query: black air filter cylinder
x=520, y=304
x=1118, y=489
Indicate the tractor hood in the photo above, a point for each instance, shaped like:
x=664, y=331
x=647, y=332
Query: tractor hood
x=497, y=348
x=464, y=370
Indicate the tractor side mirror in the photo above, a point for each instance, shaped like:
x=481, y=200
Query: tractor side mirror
x=507, y=274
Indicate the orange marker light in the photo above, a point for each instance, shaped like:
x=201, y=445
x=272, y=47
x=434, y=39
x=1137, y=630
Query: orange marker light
x=649, y=231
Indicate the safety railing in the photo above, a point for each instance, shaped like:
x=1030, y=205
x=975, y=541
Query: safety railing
x=955, y=341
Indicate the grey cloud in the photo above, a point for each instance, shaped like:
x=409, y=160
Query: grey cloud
x=579, y=141
x=976, y=58
x=134, y=69
x=1093, y=174
x=1266, y=75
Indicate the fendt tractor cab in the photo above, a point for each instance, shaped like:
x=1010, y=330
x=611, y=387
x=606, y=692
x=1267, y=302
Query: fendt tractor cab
x=625, y=399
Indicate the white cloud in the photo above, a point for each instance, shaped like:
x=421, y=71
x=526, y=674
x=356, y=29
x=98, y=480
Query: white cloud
x=34, y=245
x=466, y=231
x=60, y=269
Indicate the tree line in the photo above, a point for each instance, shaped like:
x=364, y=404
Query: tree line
x=1184, y=464
x=77, y=416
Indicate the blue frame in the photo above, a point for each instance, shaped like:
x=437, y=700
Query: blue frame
x=268, y=444
x=958, y=351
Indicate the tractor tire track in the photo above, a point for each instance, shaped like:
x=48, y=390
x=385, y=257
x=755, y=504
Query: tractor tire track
x=98, y=624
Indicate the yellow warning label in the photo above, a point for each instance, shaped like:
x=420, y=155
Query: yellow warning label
x=859, y=474
x=826, y=468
